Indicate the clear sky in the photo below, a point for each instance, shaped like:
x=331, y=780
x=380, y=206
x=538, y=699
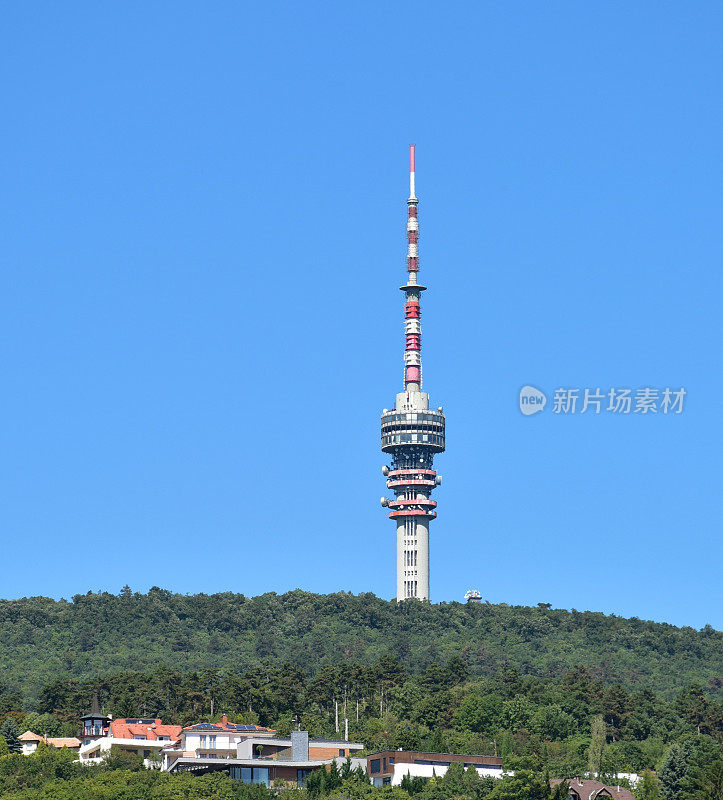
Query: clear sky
x=202, y=227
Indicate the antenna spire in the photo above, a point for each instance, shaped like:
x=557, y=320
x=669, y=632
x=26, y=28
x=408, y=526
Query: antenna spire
x=412, y=196
x=412, y=325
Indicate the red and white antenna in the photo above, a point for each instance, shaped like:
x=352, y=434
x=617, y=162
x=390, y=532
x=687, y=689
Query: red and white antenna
x=412, y=196
x=412, y=310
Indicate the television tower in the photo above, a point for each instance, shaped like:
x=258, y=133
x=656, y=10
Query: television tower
x=411, y=435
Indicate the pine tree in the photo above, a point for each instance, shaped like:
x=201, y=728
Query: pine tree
x=561, y=791
x=9, y=732
x=332, y=779
x=674, y=770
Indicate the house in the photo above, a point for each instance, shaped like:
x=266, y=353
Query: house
x=146, y=737
x=218, y=739
x=266, y=759
x=281, y=749
x=584, y=789
x=30, y=742
x=388, y=767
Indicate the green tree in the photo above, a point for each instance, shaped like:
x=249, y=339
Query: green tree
x=674, y=770
x=551, y=722
x=597, y=745
x=453, y=780
x=332, y=779
x=561, y=791
x=479, y=714
x=9, y=732
x=523, y=785
x=648, y=787
x=706, y=783
x=118, y=758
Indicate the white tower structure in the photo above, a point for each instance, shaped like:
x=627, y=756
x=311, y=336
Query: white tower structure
x=411, y=435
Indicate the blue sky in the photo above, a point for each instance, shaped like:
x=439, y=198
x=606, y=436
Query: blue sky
x=203, y=235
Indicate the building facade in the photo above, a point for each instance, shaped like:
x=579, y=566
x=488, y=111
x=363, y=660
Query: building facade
x=30, y=742
x=266, y=759
x=218, y=739
x=388, y=767
x=145, y=737
x=412, y=434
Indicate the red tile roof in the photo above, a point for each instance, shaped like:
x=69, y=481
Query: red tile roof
x=594, y=790
x=64, y=741
x=57, y=741
x=129, y=727
x=29, y=736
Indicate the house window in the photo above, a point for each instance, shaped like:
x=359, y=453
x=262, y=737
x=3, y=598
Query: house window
x=241, y=774
x=135, y=736
x=376, y=765
x=202, y=741
x=212, y=742
x=255, y=775
x=261, y=775
x=301, y=776
x=341, y=751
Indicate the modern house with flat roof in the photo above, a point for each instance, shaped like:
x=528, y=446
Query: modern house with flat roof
x=218, y=739
x=388, y=767
x=267, y=759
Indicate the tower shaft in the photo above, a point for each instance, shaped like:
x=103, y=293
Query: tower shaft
x=412, y=434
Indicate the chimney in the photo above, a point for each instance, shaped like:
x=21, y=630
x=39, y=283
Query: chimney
x=224, y=720
x=299, y=745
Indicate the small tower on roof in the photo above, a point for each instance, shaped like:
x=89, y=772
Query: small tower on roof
x=95, y=723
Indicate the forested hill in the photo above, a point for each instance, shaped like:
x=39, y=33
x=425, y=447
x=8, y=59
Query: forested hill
x=43, y=640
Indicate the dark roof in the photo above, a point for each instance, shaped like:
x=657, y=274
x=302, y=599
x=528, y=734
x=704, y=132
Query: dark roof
x=594, y=790
x=95, y=712
x=229, y=726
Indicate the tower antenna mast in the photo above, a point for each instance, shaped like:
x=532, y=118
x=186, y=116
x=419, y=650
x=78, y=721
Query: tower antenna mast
x=411, y=433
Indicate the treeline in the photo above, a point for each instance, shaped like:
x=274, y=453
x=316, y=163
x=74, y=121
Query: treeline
x=567, y=725
x=54, y=775
x=691, y=772
x=42, y=640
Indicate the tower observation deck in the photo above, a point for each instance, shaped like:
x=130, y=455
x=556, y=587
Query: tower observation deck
x=411, y=435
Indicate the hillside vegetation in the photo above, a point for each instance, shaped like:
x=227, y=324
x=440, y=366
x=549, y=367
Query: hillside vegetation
x=548, y=691
x=43, y=640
